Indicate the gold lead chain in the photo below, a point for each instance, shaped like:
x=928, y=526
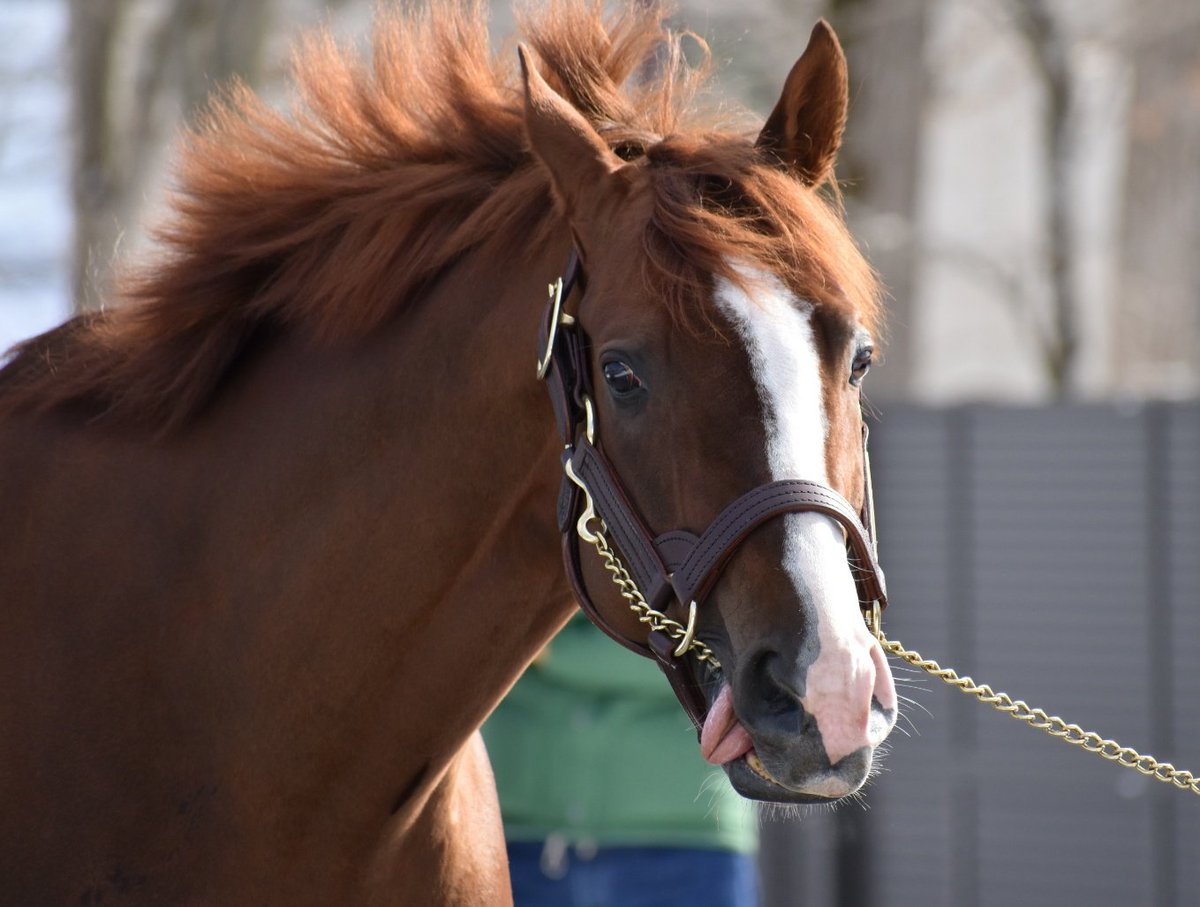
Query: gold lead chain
x=1051, y=724
x=655, y=620
x=1018, y=709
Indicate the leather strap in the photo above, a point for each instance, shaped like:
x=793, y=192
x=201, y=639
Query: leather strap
x=694, y=578
x=681, y=676
x=566, y=378
x=634, y=541
x=571, y=553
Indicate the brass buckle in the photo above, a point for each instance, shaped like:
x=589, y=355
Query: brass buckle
x=557, y=317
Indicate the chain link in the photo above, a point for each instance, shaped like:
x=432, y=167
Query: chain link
x=1051, y=724
x=655, y=620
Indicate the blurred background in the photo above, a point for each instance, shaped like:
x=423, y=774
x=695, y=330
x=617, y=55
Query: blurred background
x=1026, y=176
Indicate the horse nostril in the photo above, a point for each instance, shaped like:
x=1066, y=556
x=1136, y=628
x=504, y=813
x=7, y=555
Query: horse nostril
x=772, y=684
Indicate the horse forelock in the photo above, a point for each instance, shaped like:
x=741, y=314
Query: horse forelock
x=388, y=170
x=722, y=213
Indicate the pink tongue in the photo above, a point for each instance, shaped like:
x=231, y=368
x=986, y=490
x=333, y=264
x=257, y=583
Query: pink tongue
x=723, y=738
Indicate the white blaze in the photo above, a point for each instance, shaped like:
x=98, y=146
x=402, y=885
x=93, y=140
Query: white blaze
x=776, y=328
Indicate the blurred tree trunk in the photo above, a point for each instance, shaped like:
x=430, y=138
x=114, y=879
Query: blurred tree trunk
x=96, y=177
x=881, y=158
x=1157, y=350
x=139, y=68
x=1049, y=48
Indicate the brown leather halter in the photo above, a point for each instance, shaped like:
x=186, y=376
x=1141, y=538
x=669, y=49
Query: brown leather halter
x=677, y=566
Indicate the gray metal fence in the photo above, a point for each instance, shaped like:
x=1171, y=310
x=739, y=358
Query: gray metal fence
x=1055, y=554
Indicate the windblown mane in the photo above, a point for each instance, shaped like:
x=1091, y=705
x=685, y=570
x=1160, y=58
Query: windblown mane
x=327, y=220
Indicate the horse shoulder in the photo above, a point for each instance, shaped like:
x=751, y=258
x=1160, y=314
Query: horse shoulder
x=449, y=851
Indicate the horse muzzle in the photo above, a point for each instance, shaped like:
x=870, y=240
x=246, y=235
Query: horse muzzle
x=784, y=734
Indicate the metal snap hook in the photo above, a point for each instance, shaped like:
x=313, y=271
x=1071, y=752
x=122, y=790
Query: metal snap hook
x=589, y=510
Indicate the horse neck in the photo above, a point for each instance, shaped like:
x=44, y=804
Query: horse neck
x=423, y=572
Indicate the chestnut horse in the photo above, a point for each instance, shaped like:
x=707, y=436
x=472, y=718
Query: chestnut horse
x=280, y=529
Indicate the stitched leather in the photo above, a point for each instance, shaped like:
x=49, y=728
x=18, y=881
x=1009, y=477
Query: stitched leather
x=674, y=547
x=571, y=551
x=612, y=504
x=680, y=675
x=694, y=578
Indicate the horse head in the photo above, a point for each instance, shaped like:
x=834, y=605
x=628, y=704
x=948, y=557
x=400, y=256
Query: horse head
x=727, y=323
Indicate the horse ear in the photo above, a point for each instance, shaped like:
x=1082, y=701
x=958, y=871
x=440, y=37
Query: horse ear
x=805, y=129
x=582, y=168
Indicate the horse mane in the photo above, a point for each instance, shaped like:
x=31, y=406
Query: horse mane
x=328, y=219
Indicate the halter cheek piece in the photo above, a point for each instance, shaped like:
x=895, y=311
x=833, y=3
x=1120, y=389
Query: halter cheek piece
x=677, y=567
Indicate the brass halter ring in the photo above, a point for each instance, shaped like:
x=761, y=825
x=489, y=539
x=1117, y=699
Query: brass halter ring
x=874, y=619
x=685, y=641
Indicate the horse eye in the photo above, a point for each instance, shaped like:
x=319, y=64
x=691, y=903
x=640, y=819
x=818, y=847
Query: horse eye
x=861, y=365
x=620, y=378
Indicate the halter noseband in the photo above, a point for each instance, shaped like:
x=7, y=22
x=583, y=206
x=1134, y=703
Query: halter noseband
x=677, y=566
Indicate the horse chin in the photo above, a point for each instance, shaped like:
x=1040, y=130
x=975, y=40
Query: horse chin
x=787, y=769
x=751, y=778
